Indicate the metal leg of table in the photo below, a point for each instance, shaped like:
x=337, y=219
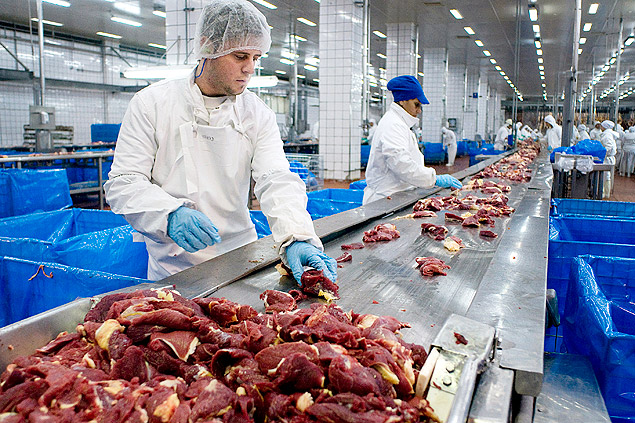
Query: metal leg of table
x=100, y=181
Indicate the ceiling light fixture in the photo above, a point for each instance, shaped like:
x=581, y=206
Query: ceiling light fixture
x=108, y=34
x=497, y=67
x=456, y=13
x=469, y=30
x=420, y=74
x=478, y=43
x=58, y=3
x=629, y=40
x=540, y=60
x=541, y=67
x=579, y=51
x=537, y=43
x=582, y=40
x=587, y=27
x=45, y=22
x=539, y=52
x=533, y=13
x=160, y=13
x=301, y=76
x=492, y=61
x=593, y=8
x=536, y=27
x=265, y=4
x=125, y=21
x=487, y=53
x=307, y=22
x=157, y=45
x=383, y=56
x=281, y=72
x=287, y=61
x=297, y=37
x=310, y=67
x=380, y=34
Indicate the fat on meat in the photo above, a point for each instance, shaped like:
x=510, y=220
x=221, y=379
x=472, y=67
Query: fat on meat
x=278, y=301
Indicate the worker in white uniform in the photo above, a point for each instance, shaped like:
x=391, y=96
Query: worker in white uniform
x=449, y=141
x=188, y=148
x=372, y=127
x=627, y=162
x=396, y=163
x=526, y=132
x=596, y=131
x=500, y=143
x=553, y=134
x=608, y=141
x=583, y=134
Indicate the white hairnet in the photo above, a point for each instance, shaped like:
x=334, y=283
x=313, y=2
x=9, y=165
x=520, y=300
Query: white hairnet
x=581, y=127
x=550, y=120
x=607, y=124
x=597, y=122
x=230, y=25
x=508, y=122
x=444, y=129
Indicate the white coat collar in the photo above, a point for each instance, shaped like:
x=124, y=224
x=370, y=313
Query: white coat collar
x=197, y=99
x=407, y=117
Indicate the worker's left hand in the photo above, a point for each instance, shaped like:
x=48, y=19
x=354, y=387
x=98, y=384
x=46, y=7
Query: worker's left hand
x=300, y=254
x=447, y=181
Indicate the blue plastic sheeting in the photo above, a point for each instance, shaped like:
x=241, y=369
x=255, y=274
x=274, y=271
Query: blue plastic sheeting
x=585, y=147
x=327, y=202
x=305, y=174
x=104, y=132
x=600, y=209
x=262, y=224
x=570, y=237
x=365, y=153
x=361, y=184
x=348, y=195
x=24, y=191
x=21, y=298
x=87, y=239
x=599, y=322
x=434, y=152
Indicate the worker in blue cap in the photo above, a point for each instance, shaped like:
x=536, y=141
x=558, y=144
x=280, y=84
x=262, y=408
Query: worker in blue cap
x=395, y=162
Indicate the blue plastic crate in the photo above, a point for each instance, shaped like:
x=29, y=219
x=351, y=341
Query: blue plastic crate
x=104, y=132
x=361, y=184
x=365, y=153
x=338, y=194
x=600, y=209
x=599, y=322
x=434, y=152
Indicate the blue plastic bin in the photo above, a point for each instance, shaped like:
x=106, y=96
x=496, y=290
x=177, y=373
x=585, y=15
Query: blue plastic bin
x=262, y=224
x=434, y=152
x=461, y=148
x=361, y=184
x=24, y=191
x=599, y=322
x=488, y=149
x=365, y=153
x=338, y=194
x=104, y=132
x=570, y=237
x=601, y=209
x=309, y=179
x=327, y=202
x=23, y=295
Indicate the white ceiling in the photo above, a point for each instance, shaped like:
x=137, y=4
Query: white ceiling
x=494, y=22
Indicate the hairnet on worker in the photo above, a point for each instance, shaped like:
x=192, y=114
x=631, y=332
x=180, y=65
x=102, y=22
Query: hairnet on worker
x=406, y=87
x=607, y=124
x=226, y=26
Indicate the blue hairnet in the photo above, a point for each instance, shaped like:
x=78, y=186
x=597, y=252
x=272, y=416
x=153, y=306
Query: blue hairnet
x=406, y=87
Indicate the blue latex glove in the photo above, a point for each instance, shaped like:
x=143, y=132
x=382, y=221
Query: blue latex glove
x=447, y=181
x=549, y=148
x=191, y=229
x=302, y=253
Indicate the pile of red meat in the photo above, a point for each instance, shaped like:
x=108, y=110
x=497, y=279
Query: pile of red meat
x=514, y=167
x=154, y=356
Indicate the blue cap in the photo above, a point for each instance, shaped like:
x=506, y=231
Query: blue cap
x=406, y=87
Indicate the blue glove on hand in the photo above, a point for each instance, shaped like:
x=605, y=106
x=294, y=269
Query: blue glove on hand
x=549, y=148
x=191, y=229
x=447, y=181
x=302, y=253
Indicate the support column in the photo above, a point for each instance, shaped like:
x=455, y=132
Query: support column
x=481, y=127
x=470, y=104
x=455, y=92
x=341, y=83
x=180, y=29
x=401, y=56
x=434, y=79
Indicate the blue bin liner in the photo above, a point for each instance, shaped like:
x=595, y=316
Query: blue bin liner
x=600, y=209
x=365, y=153
x=262, y=224
x=361, y=184
x=434, y=152
x=104, y=132
x=27, y=191
x=348, y=195
x=599, y=322
x=570, y=237
x=21, y=298
x=318, y=208
x=472, y=145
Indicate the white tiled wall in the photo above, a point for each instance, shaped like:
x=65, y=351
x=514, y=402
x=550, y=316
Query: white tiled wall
x=454, y=97
x=180, y=29
x=482, y=128
x=495, y=114
x=65, y=60
x=400, y=50
x=434, y=60
x=341, y=75
x=471, y=105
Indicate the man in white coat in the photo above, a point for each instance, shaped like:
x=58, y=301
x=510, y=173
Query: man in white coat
x=188, y=148
x=395, y=162
x=500, y=143
x=553, y=134
x=608, y=141
x=596, y=132
x=449, y=141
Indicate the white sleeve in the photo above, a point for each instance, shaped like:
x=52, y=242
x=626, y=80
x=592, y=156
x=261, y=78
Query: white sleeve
x=281, y=193
x=128, y=190
x=400, y=160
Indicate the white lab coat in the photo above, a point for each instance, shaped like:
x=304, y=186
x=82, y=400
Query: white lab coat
x=584, y=135
x=395, y=162
x=160, y=165
x=501, y=138
x=449, y=141
x=608, y=141
x=595, y=134
x=554, y=136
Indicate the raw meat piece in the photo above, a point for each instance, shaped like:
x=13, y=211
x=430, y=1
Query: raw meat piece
x=213, y=401
x=382, y=232
x=430, y=266
x=432, y=204
x=344, y=258
x=169, y=318
x=297, y=373
x=183, y=343
x=487, y=234
x=471, y=221
x=314, y=283
x=270, y=357
x=131, y=365
x=335, y=413
x=353, y=246
x=424, y=213
x=278, y=301
x=297, y=295
x=451, y=217
x=347, y=375
x=436, y=232
x=460, y=339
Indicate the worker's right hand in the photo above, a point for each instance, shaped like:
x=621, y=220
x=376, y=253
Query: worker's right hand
x=191, y=229
x=447, y=181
